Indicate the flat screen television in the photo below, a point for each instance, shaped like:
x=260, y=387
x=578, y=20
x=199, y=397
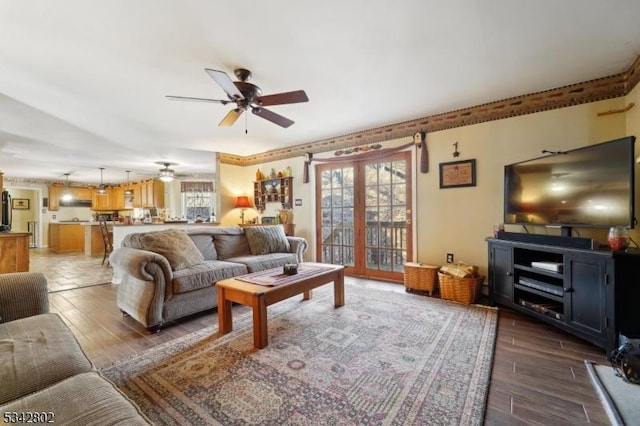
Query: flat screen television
x=589, y=187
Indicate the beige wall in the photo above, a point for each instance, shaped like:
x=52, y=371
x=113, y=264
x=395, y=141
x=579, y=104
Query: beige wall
x=458, y=220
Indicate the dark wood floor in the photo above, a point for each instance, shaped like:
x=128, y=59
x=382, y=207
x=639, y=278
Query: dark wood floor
x=538, y=376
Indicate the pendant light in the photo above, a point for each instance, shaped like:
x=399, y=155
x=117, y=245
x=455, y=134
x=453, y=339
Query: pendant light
x=101, y=188
x=66, y=193
x=128, y=191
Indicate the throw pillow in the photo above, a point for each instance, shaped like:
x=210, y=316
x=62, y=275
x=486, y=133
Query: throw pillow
x=204, y=243
x=267, y=239
x=229, y=246
x=174, y=244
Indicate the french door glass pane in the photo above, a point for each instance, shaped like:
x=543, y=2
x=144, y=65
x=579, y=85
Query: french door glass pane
x=386, y=215
x=337, y=216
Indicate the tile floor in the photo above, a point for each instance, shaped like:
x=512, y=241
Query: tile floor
x=69, y=271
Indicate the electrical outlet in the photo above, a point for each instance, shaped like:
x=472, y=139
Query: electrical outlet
x=449, y=257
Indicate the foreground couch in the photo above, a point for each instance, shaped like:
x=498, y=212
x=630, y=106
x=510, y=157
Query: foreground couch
x=45, y=377
x=166, y=275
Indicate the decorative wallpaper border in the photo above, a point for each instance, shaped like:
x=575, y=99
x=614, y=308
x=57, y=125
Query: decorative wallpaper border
x=575, y=94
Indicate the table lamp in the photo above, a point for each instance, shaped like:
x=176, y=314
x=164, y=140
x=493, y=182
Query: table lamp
x=242, y=202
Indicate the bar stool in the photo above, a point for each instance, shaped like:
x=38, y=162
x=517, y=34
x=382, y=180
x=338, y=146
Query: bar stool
x=106, y=238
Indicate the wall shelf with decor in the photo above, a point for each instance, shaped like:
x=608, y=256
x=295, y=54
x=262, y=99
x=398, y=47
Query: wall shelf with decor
x=276, y=190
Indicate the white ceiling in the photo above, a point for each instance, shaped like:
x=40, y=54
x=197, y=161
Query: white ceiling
x=82, y=82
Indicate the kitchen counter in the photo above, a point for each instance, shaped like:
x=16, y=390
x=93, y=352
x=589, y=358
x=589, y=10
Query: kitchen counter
x=120, y=230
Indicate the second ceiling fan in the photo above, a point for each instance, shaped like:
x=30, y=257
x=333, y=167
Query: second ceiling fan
x=247, y=96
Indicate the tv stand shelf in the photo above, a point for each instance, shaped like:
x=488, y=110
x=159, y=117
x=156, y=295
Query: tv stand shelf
x=591, y=295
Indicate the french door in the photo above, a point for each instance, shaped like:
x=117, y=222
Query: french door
x=363, y=218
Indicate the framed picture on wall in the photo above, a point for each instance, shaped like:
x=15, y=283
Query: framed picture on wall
x=20, y=204
x=458, y=174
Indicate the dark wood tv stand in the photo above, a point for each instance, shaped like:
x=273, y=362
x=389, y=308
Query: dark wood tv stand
x=592, y=294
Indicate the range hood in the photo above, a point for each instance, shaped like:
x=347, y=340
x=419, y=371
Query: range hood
x=75, y=203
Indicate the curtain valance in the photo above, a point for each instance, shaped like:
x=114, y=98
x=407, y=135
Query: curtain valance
x=196, y=187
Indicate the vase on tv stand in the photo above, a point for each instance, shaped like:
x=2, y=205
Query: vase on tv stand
x=618, y=238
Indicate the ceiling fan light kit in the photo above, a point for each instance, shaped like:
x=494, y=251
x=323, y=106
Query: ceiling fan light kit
x=166, y=174
x=248, y=96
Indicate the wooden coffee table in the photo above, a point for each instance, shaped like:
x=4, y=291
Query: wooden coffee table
x=260, y=296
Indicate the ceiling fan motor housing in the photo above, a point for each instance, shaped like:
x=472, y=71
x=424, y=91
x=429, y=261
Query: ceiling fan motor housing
x=248, y=90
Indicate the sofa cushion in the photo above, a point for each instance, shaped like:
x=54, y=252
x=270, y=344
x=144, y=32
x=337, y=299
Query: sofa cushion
x=84, y=399
x=36, y=352
x=205, y=274
x=265, y=261
x=204, y=243
x=231, y=245
x=267, y=239
x=174, y=244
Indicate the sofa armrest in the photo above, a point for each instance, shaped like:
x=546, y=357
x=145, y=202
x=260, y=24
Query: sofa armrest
x=144, y=284
x=298, y=246
x=141, y=264
x=23, y=294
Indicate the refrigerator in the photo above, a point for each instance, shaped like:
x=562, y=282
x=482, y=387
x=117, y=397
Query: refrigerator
x=6, y=212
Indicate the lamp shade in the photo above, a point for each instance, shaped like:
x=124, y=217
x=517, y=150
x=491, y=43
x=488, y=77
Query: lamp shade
x=242, y=202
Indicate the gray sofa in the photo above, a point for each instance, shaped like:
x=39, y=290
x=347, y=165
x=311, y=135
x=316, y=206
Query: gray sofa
x=170, y=274
x=45, y=376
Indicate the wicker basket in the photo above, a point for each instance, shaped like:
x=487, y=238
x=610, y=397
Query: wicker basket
x=463, y=290
x=420, y=277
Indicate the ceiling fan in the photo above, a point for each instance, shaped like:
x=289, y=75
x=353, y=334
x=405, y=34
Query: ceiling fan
x=248, y=96
x=166, y=174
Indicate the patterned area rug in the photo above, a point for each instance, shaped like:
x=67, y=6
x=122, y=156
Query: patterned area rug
x=384, y=358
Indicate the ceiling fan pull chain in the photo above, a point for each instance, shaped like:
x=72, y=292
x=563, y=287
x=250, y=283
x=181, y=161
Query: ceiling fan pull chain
x=246, y=119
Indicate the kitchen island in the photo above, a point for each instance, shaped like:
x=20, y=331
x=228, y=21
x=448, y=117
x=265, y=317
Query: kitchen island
x=93, y=241
x=66, y=237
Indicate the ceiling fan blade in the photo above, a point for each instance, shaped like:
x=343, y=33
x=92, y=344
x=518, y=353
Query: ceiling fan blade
x=272, y=117
x=231, y=117
x=187, y=98
x=225, y=82
x=283, y=98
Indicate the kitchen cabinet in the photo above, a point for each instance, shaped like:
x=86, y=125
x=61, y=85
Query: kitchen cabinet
x=147, y=194
x=78, y=193
x=81, y=192
x=117, y=198
x=66, y=237
x=14, y=252
x=101, y=202
x=137, y=194
x=55, y=192
x=150, y=194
